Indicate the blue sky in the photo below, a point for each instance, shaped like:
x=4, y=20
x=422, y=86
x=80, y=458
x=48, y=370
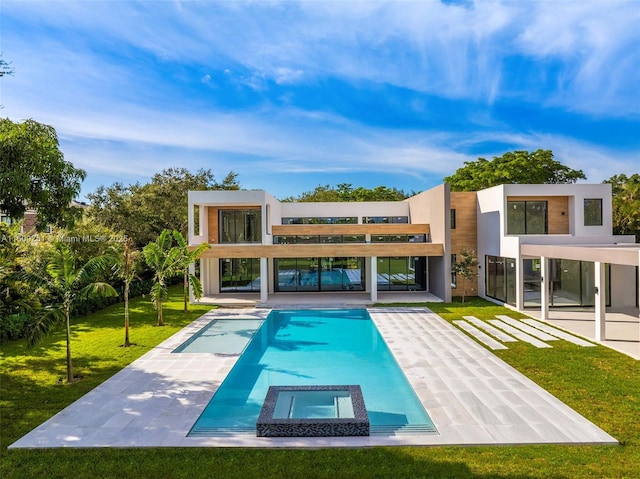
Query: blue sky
x=291, y=95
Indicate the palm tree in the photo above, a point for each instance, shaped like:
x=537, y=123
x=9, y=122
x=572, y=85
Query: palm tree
x=186, y=258
x=68, y=282
x=164, y=259
x=125, y=267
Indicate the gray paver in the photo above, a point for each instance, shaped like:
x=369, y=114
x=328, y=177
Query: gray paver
x=557, y=332
x=522, y=336
x=536, y=333
x=502, y=336
x=479, y=335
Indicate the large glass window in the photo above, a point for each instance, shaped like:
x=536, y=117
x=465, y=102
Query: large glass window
x=401, y=273
x=593, y=212
x=526, y=217
x=500, y=279
x=240, y=226
x=239, y=275
x=320, y=274
x=572, y=283
x=385, y=219
x=324, y=220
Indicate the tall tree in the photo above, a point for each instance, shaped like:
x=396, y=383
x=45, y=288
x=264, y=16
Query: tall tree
x=126, y=262
x=626, y=204
x=466, y=268
x=70, y=281
x=517, y=167
x=142, y=211
x=164, y=260
x=187, y=257
x=34, y=174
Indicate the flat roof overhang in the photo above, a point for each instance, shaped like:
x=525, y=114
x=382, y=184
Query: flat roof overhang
x=622, y=254
x=323, y=250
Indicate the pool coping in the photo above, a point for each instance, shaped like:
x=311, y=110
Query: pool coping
x=473, y=397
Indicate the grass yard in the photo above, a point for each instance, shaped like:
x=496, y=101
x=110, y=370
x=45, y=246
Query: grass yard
x=599, y=383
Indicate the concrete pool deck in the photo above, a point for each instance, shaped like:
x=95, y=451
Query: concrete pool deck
x=473, y=397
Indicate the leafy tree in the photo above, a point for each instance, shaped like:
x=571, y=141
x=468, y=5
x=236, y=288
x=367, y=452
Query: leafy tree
x=346, y=192
x=626, y=204
x=143, y=211
x=186, y=258
x=466, y=268
x=165, y=262
x=68, y=280
x=34, y=174
x=517, y=167
x=125, y=267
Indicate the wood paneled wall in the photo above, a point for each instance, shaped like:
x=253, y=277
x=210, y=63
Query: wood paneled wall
x=465, y=235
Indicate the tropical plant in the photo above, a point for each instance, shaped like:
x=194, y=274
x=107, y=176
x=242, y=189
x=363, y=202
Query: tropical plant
x=68, y=281
x=187, y=258
x=17, y=300
x=466, y=268
x=164, y=260
x=125, y=267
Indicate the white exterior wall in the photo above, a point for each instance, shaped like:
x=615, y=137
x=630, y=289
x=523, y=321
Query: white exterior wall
x=337, y=209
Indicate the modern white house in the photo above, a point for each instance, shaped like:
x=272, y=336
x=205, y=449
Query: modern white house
x=538, y=246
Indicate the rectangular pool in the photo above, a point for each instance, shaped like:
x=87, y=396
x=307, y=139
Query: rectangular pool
x=309, y=348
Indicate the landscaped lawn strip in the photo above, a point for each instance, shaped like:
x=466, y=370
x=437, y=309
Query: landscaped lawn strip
x=601, y=384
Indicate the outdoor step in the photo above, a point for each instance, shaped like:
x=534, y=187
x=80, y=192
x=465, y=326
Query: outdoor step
x=559, y=333
x=479, y=335
x=526, y=328
x=522, y=336
x=502, y=336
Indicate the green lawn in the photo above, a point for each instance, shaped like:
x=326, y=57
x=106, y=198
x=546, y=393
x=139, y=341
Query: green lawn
x=599, y=383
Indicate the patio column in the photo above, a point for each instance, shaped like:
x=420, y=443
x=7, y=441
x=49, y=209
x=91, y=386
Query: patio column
x=519, y=284
x=374, y=278
x=264, y=281
x=600, y=301
x=544, y=288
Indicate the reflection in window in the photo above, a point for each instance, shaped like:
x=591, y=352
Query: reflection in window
x=326, y=220
x=385, y=219
x=593, y=212
x=401, y=273
x=320, y=274
x=526, y=217
x=239, y=275
x=240, y=226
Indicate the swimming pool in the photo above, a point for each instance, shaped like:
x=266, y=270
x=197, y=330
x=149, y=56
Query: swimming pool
x=315, y=347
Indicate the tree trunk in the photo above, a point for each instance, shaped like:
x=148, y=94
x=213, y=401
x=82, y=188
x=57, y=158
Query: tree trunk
x=160, y=321
x=186, y=292
x=463, y=288
x=69, y=367
x=126, y=315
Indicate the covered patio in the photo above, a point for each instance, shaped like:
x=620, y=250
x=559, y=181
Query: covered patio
x=616, y=326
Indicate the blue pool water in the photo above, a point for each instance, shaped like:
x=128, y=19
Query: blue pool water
x=315, y=347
